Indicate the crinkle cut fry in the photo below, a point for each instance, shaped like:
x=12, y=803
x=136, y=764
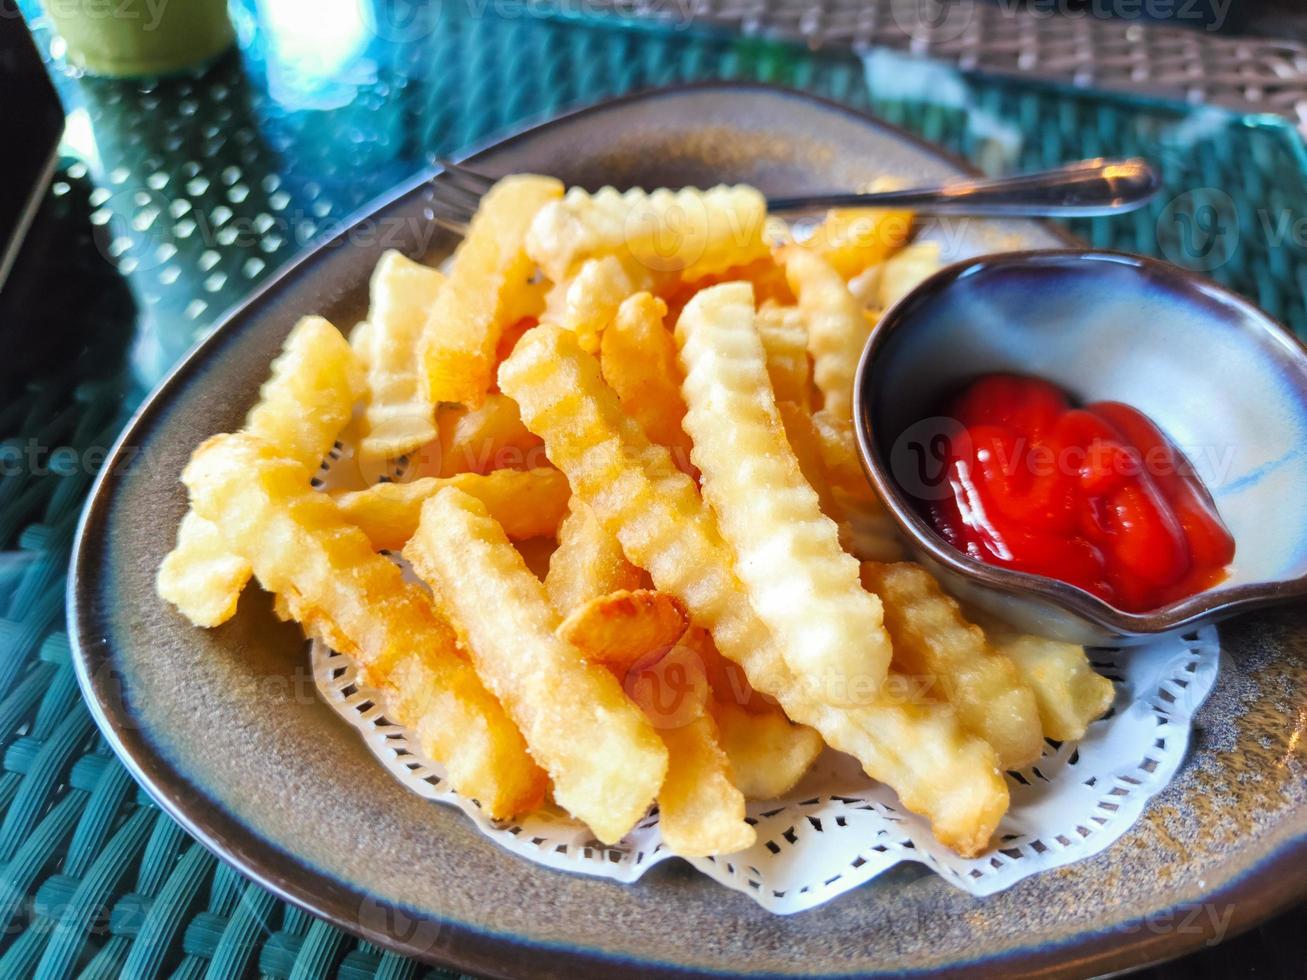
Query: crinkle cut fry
x=654, y=509
x=302, y=549
x=803, y=584
x=601, y=752
x=302, y=408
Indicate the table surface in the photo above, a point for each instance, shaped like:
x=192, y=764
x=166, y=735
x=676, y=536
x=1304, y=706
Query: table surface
x=173, y=199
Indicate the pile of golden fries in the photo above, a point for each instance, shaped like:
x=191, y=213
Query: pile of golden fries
x=623, y=467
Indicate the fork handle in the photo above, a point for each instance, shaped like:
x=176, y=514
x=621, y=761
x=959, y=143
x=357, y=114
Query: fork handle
x=1085, y=189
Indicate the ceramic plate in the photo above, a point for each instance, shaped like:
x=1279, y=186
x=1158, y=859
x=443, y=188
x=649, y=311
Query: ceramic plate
x=225, y=731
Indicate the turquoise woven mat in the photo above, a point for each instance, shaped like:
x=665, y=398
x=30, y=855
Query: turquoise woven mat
x=175, y=198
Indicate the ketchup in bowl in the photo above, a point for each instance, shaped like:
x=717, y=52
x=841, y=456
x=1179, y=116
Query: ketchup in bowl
x=1095, y=496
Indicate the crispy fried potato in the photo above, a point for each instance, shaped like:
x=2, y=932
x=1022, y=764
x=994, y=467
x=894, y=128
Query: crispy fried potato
x=853, y=239
x=700, y=810
x=788, y=552
x=302, y=548
x=726, y=679
x=587, y=302
x=902, y=271
x=784, y=337
x=866, y=529
x=690, y=232
x=587, y=564
x=604, y=757
x=638, y=360
x=769, y=754
x=200, y=576
x=398, y=417
x=302, y=408
x=360, y=342
x=460, y=340
x=310, y=395
x=620, y=628
x=1070, y=693
x=528, y=503
x=805, y=443
x=489, y=437
x=933, y=642
x=636, y=491
x=837, y=329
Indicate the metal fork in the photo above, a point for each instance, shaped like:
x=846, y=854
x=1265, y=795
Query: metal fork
x=1089, y=188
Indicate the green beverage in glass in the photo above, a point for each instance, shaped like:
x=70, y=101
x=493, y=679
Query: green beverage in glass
x=141, y=37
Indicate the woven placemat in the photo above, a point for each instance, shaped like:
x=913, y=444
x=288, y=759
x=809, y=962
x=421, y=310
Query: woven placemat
x=1073, y=43
x=176, y=198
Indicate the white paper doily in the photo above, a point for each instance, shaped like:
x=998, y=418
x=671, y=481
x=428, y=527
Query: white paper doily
x=838, y=829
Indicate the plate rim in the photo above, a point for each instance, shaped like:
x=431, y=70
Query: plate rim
x=465, y=944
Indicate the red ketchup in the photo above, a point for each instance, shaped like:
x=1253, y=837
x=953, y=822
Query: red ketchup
x=1095, y=496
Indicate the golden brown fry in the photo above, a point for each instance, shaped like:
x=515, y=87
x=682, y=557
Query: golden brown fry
x=903, y=271
x=302, y=409
x=310, y=394
x=620, y=628
x=656, y=512
x=805, y=442
x=588, y=562
x=785, y=339
x=788, y=554
x=302, y=548
x=528, y=503
x=489, y=437
x=604, y=758
x=700, y=810
x=638, y=360
x=935, y=644
x=837, y=329
x=866, y=529
x=769, y=754
x=1069, y=691
x=690, y=232
x=587, y=302
x=457, y=352
x=201, y=576
x=852, y=239
x=398, y=416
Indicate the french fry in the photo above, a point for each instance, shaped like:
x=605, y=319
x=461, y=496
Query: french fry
x=489, y=437
x=852, y=239
x=769, y=754
x=837, y=329
x=310, y=395
x=604, y=758
x=932, y=641
x=904, y=270
x=620, y=628
x=588, y=301
x=302, y=408
x=638, y=360
x=804, y=586
x=866, y=529
x=460, y=340
x=360, y=342
x=1070, y=693
x=805, y=443
x=691, y=232
x=201, y=576
x=636, y=491
x=528, y=503
x=302, y=548
x=784, y=337
x=700, y=809
x=588, y=562
x=398, y=418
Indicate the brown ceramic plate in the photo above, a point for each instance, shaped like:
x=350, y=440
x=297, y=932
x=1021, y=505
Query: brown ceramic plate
x=224, y=730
